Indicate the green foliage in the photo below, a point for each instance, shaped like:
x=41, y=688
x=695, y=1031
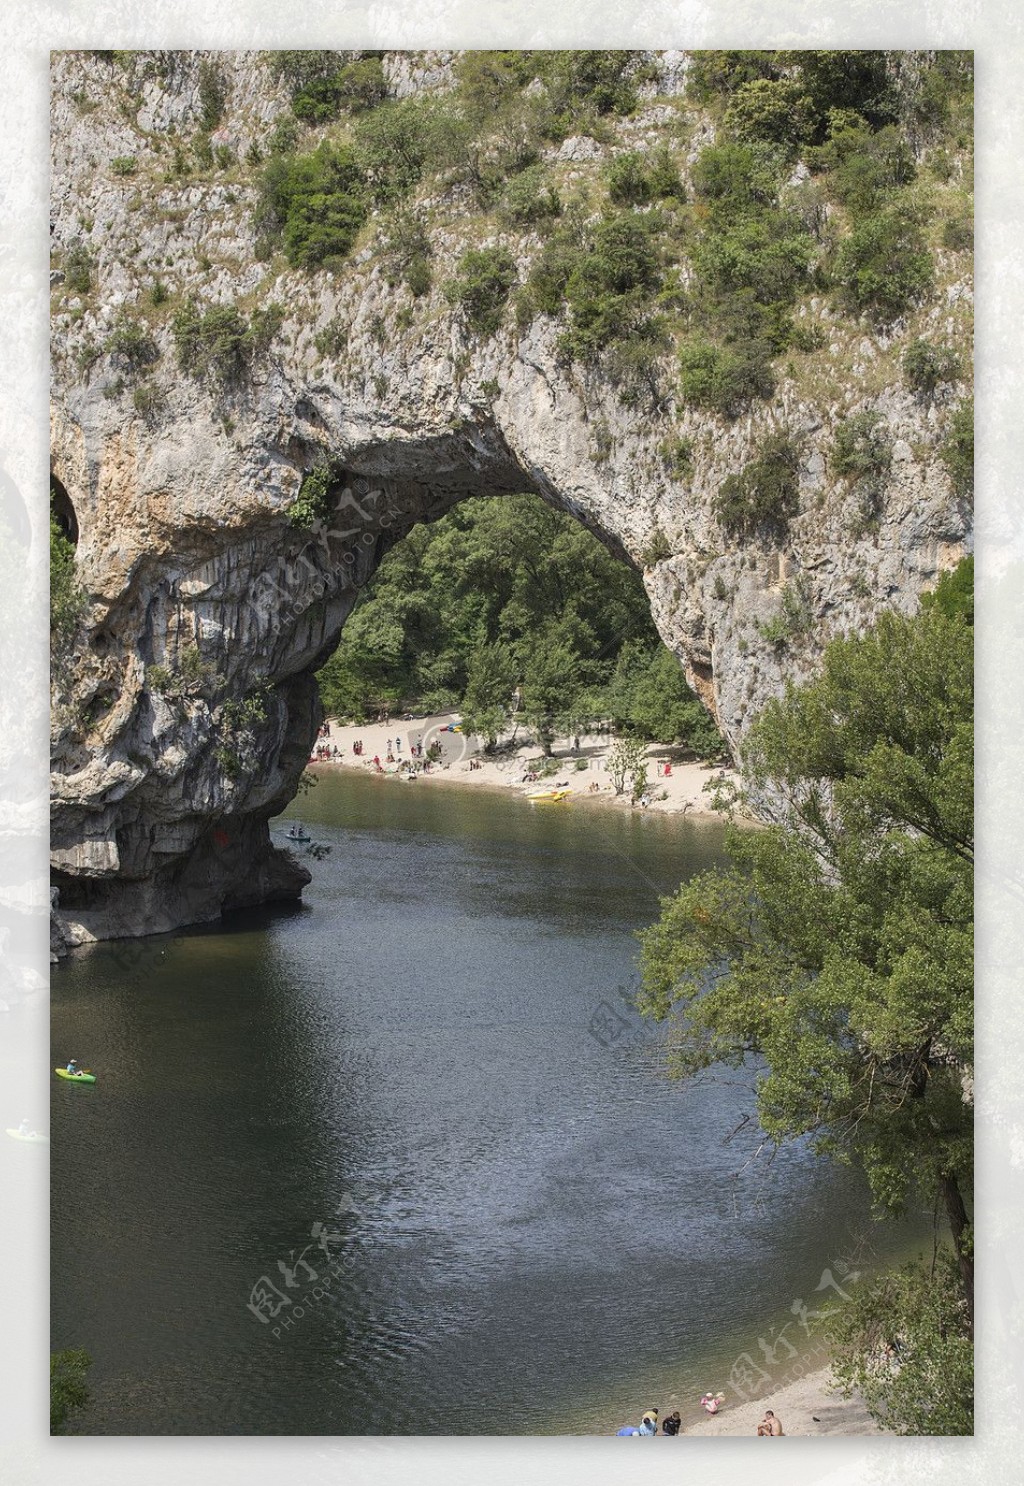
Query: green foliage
x=677, y=455
x=720, y=73
x=766, y=493
x=865, y=168
x=147, y=399
x=854, y=81
x=131, y=343
x=725, y=378
x=123, y=165
x=398, y=142
x=315, y=500
x=926, y=366
x=626, y=761
x=356, y=86
x=771, y=110
x=158, y=294
x=658, y=548
x=863, y=446
x=958, y=234
x=954, y=592
x=837, y=947
x=638, y=177
x=202, y=149
x=958, y=449
x=78, y=266
x=482, y=287
x=316, y=202
x=68, y=1391
x=586, y=85
x=408, y=252
x=212, y=94
x=530, y=198
x=883, y=267
x=904, y=1344
x=67, y=598
x=628, y=181
x=499, y=594
x=265, y=322
x=862, y=452
x=212, y=342
x=611, y=285
x=648, y=697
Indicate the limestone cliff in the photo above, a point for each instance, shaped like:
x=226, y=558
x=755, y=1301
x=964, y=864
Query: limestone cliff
x=193, y=704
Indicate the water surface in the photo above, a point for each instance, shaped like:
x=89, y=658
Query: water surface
x=524, y=1226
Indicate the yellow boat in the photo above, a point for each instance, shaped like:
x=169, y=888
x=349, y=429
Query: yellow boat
x=549, y=796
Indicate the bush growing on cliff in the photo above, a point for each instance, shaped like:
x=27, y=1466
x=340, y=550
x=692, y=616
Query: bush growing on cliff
x=398, y=142
x=482, y=287
x=611, y=286
x=862, y=452
x=725, y=379
x=220, y=342
x=131, y=343
x=958, y=449
x=78, y=267
x=67, y=598
x=316, y=203
x=926, y=366
x=883, y=267
x=213, y=94
x=766, y=492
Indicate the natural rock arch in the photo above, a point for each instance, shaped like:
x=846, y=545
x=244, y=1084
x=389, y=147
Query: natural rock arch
x=162, y=798
x=200, y=586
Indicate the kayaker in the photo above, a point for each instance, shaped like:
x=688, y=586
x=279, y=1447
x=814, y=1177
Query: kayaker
x=25, y=1128
x=73, y=1067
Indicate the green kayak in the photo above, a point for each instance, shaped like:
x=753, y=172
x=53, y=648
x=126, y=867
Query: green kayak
x=31, y=1137
x=75, y=1078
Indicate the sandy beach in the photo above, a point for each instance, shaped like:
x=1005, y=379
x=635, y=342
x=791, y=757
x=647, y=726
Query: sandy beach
x=804, y=1407
x=676, y=784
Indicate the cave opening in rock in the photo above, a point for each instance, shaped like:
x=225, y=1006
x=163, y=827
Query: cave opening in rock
x=63, y=511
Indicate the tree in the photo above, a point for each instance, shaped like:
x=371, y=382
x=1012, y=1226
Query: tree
x=488, y=696
x=625, y=759
x=834, y=956
x=68, y=1391
x=903, y=1344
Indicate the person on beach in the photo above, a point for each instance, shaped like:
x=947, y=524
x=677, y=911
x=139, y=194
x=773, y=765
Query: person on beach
x=672, y=1424
x=711, y=1402
x=649, y=1422
x=769, y=1425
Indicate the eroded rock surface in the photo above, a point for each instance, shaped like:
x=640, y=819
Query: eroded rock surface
x=193, y=704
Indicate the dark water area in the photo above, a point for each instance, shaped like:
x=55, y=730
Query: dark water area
x=419, y=1107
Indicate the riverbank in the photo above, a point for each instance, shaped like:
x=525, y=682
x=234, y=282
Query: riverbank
x=677, y=783
x=804, y=1407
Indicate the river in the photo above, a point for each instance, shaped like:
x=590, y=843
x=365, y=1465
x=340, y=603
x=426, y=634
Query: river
x=424, y=1088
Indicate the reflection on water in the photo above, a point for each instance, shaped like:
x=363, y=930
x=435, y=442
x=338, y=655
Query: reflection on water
x=402, y=1160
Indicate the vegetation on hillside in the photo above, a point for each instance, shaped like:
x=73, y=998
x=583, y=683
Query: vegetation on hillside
x=504, y=596
x=834, y=959
x=812, y=184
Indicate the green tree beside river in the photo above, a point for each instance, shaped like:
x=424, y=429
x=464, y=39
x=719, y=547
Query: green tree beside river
x=835, y=956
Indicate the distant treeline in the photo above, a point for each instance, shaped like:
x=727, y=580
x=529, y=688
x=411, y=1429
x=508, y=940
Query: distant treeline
x=507, y=606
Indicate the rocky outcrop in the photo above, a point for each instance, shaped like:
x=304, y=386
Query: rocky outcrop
x=194, y=704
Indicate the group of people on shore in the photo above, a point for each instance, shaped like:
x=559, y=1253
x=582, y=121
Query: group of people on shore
x=769, y=1427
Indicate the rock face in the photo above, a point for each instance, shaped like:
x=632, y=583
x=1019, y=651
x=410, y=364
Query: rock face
x=194, y=704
